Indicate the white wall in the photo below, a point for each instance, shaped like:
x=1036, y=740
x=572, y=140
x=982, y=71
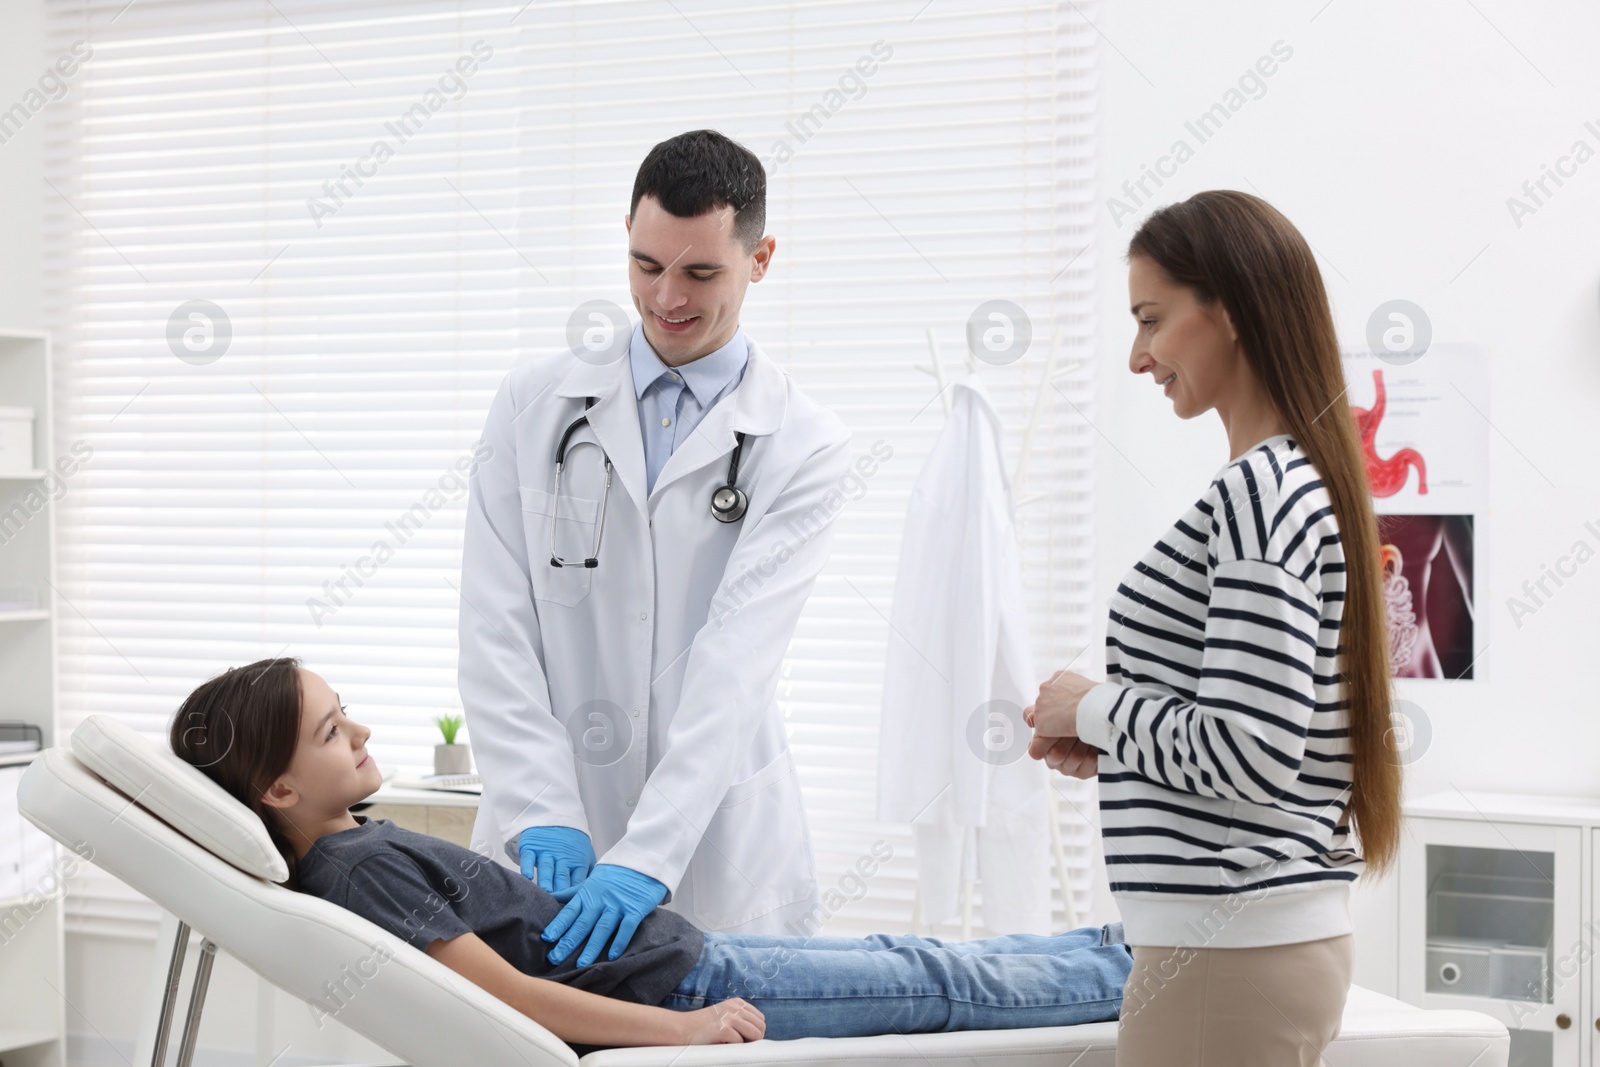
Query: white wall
x=1392, y=137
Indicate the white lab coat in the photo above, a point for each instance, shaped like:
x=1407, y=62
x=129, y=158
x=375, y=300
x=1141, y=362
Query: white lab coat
x=636, y=700
x=952, y=757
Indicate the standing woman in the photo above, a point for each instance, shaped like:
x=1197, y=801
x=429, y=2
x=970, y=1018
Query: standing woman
x=1242, y=737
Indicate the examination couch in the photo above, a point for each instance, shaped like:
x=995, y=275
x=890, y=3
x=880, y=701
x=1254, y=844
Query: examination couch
x=165, y=829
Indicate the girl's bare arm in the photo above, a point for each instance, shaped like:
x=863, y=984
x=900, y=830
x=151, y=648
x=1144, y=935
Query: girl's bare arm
x=584, y=1018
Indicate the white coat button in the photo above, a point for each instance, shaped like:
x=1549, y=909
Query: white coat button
x=635, y=713
x=630, y=802
x=644, y=615
x=666, y=422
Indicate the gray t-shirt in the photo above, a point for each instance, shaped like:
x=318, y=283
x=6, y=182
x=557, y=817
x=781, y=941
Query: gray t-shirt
x=420, y=888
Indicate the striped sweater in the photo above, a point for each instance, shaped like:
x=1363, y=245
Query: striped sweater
x=1225, y=755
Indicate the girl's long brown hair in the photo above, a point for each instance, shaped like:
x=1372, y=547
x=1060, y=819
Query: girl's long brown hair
x=240, y=728
x=1237, y=248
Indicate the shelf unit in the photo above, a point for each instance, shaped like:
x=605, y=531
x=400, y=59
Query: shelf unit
x=32, y=966
x=1497, y=915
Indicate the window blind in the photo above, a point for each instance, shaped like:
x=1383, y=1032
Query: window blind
x=292, y=248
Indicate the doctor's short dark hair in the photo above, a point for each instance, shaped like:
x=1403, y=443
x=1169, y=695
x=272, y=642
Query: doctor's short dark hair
x=701, y=170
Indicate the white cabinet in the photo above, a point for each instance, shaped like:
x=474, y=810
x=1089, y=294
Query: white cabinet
x=1497, y=915
x=32, y=990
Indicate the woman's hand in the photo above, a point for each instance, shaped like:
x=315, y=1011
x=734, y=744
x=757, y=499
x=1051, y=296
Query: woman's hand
x=1069, y=755
x=1054, y=718
x=728, y=1022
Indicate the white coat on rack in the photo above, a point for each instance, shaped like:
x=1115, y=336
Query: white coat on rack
x=952, y=757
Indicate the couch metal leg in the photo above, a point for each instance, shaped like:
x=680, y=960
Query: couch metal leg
x=170, y=995
x=197, y=1001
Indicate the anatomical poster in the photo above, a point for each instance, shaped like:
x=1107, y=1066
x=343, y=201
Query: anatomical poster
x=1424, y=426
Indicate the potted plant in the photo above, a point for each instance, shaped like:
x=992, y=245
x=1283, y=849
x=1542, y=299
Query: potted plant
x=451, y=758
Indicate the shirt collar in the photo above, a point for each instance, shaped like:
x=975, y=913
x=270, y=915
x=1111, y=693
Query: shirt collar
x=706, y=377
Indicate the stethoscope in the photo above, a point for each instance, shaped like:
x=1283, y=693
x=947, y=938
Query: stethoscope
x=728, y=502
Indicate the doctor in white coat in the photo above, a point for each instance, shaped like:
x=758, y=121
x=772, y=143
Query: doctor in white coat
x=625, y=709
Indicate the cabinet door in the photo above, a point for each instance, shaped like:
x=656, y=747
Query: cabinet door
x=1588, y=952
x=40, y=873
x=11, y=873
x=1490, y=921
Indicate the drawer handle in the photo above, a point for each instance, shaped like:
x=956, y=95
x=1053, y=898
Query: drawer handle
x=1563, y=1021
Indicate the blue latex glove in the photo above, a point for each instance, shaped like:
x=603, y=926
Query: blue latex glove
x=612, y=900
x=563, y=856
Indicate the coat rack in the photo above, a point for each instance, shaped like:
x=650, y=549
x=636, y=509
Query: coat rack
x=1046, y=382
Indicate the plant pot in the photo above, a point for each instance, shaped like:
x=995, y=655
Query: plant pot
x=452, y=759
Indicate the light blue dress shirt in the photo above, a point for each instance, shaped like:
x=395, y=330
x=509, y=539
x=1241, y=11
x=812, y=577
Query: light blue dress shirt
x=669, y=412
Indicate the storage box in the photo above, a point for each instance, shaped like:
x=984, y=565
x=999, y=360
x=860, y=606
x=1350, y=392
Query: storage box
x=1489, y=935
x=1472, y=968
x=1458, y=966
x=16, y=440
x=1497, y=908
x=1518, y=972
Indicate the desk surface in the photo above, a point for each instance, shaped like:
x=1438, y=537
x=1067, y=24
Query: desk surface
x=390, y=794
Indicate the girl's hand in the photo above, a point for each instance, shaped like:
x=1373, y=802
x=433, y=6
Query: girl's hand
x=728, y=1022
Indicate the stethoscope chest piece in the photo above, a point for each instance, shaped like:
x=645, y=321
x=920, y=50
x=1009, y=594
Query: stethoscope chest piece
x=728, y=504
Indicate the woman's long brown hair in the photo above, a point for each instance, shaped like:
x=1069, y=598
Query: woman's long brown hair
x=240, y=728
x=1237, y=248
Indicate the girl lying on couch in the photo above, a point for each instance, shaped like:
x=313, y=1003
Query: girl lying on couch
x=275, y=736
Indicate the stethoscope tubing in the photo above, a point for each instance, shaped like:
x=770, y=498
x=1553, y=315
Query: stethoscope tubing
x=730, y=512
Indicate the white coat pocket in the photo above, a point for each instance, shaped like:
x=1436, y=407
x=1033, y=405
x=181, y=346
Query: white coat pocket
x=756, y=854
x=574, y=540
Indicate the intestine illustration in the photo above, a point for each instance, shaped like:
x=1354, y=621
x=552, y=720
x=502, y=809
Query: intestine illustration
x=1402, y=612
x=1430, y=617
x=1386, y=476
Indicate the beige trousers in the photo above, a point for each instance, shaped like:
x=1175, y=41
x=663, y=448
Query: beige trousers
x=1275, y=1006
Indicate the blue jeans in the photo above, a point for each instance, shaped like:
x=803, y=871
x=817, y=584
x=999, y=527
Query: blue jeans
x=902, y=983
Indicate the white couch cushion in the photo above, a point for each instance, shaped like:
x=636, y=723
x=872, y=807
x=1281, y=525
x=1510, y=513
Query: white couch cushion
x=179, y=794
